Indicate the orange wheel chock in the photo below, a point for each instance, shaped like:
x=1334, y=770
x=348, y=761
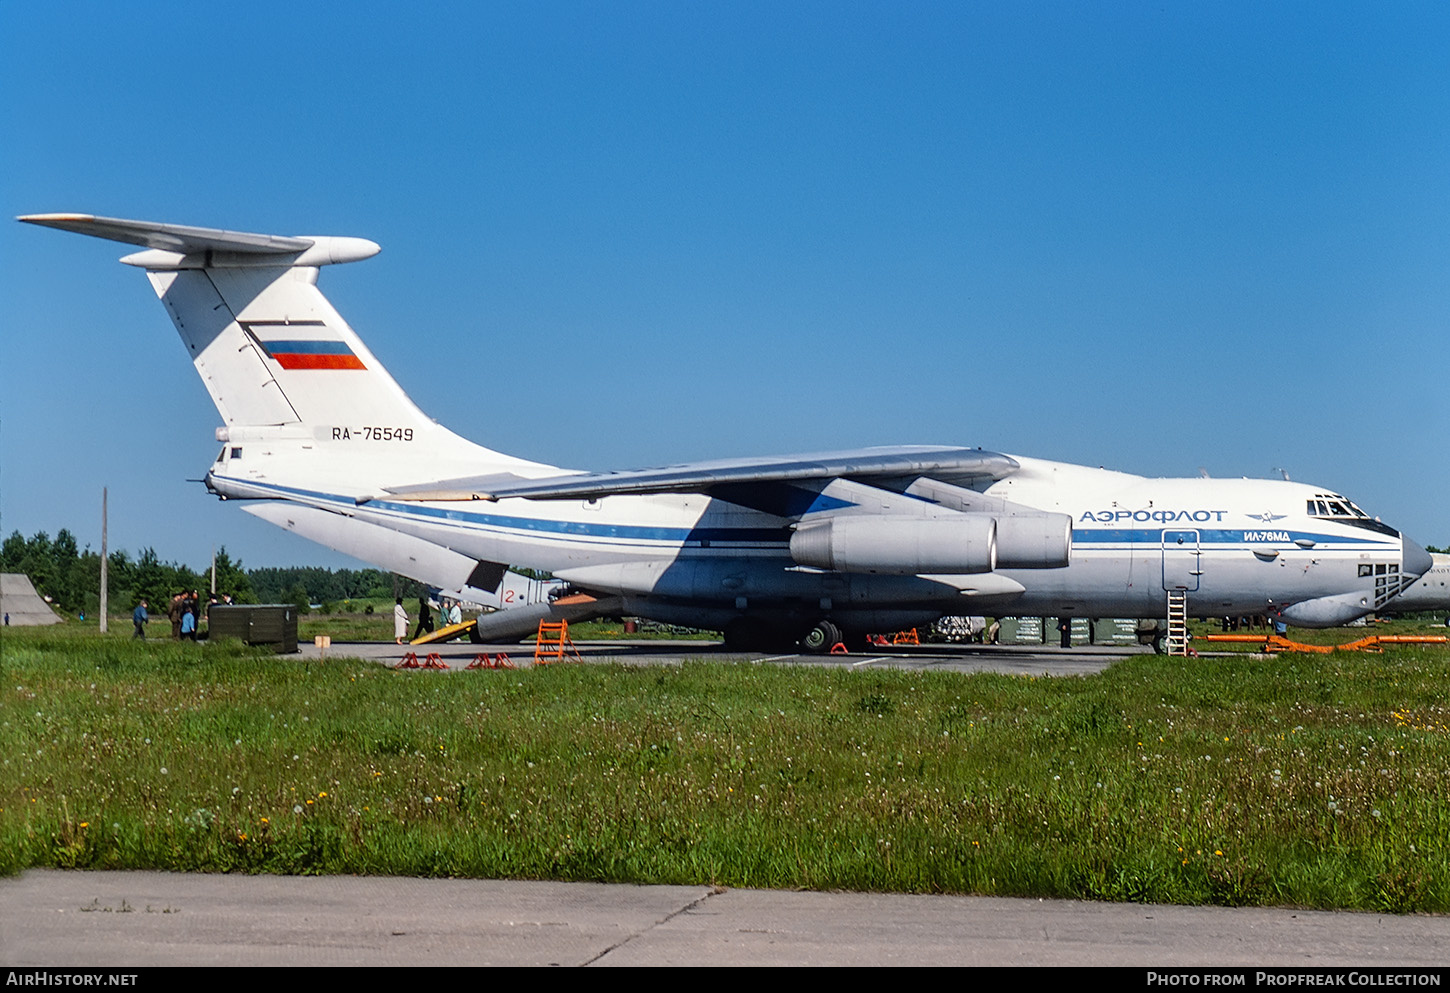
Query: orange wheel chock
x=499, y=661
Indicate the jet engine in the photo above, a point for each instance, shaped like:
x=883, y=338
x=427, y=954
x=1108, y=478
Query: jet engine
x=899, y=546
x=914, y=546
x=1034, y=541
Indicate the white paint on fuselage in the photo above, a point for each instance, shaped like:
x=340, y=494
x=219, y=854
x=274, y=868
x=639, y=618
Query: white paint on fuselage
x=1251, y=535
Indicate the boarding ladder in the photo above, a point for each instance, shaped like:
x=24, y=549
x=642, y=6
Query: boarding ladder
x=1177, y=641
x=553, y=644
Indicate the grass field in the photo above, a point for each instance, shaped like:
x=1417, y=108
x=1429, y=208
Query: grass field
x=1315, y=781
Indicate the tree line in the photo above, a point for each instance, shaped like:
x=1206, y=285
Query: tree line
x=71, y=577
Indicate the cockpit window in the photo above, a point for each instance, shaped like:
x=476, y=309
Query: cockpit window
x=1334, y=505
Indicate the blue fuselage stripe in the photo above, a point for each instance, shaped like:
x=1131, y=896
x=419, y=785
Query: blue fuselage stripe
x=1087, y=537
x=1219, y=536
x=632, y=532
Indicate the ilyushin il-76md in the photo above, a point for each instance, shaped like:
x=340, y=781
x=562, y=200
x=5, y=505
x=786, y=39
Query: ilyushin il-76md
x=318, y=438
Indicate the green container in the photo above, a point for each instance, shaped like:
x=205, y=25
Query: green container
x=1115, y=631
x=1020, y=631
x=1079, y=634
x=273, y=624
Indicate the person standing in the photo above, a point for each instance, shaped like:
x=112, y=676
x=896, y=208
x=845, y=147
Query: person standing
x=425, y=618
x=139, y=617
x=192, y=606
x=400, y=621
x=174, y=615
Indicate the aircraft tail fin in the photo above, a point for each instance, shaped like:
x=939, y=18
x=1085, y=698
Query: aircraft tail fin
x=270, y=348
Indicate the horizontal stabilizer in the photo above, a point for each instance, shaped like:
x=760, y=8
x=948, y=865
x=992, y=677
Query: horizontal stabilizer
x=173, y=244
x=944, y=463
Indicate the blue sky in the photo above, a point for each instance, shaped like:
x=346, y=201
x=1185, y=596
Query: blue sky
x=1151, y=237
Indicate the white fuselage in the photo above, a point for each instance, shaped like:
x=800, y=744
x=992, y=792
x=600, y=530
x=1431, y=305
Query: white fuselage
x=1237, y=546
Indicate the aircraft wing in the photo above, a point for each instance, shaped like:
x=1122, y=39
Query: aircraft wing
x=947, y=464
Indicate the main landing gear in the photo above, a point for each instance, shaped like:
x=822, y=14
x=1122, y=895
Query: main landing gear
x=751, y=635
x=822, y=638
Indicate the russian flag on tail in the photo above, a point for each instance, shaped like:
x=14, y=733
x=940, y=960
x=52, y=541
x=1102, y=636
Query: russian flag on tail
x=299, y=354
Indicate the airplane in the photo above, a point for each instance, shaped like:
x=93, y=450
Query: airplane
x=823, y=548
x=1431, y=592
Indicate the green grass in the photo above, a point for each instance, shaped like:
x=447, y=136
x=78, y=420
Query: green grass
x=1300, y=780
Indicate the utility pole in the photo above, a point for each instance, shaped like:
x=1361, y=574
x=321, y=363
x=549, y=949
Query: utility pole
x=105, y=563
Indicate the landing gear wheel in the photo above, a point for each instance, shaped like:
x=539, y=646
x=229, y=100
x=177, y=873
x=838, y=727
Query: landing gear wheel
x=820, y=639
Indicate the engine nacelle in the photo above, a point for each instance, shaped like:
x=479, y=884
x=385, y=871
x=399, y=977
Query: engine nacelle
x=899, y=546
x=1034, y=541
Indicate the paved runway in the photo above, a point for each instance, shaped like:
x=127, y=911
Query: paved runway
x=118, y=919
